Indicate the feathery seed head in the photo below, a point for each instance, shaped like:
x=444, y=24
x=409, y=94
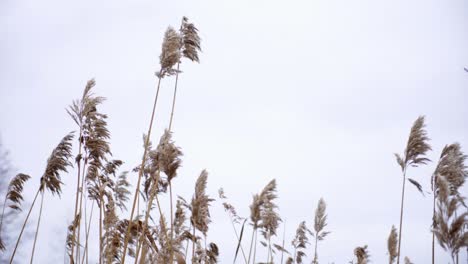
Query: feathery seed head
x=190, y=40
x=417, y=145
x=170, y=54
x=392, y=245
x=57, y=162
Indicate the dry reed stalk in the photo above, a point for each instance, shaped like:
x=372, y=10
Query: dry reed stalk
x=284, y=235
x=78, y=112
x=51, y=180
x=414, y=155
x=262, y=215
x=189, y=47
x=320, y=222
x=300, y=243
x=147, y=214
x=93, y=142
x=22, y=228
x=170, y=55
x=87, y=235
x=79, y=210
x=37, y=228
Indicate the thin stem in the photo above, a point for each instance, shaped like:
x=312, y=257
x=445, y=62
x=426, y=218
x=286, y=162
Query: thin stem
x=3, y=213
x=77, y=188
x=269, y=248
x=193, y=245
x=251, y=243
x=154, y=194
x=284, y=235
x=100, y=232
x=22, y=228
x=87, y=234
x=433, y=218
x=255, y=247
x=174, y=96
x=140, y=173
x=37, y=228
x=145, y=223
x=315, y=253
x=401, y=213
x=186, y=247
x=78, y=252
x=237, y=236
x=172, y=223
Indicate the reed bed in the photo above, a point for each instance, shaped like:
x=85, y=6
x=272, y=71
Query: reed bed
x=151, y=234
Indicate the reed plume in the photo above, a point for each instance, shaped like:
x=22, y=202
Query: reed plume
x=200, y=204
x=14, y=196
x=449, y=229
x=362, y=255
x=257, y=213
x=414, y=155
x=200, y=214
x=320, y=222
x=270, y=222
x=15, y=192
x=452, y=167
x=300, y=243
x=170, y=55
x=392, y=242
x=180, y=228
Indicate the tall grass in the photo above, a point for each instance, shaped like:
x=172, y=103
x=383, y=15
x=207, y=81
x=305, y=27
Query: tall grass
x=414, y=155
x=181, y=233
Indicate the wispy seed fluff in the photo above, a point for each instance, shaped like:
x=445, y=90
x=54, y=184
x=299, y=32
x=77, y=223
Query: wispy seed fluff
x=170, y=54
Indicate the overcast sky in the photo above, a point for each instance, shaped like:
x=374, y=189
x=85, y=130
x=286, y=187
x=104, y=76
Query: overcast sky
x=317, y=94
